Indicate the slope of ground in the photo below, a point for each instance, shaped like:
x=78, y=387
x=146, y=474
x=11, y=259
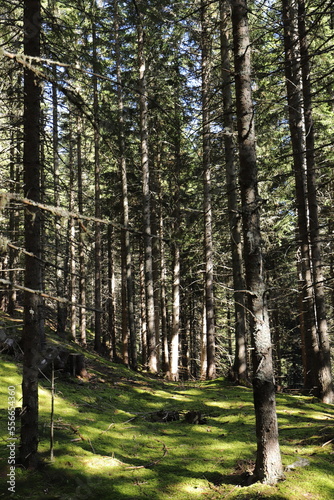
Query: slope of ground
x=114, y=440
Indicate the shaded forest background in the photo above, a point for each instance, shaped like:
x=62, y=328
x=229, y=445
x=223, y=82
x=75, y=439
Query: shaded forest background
x=137, y=198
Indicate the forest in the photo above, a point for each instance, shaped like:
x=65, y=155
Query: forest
x=166, y=229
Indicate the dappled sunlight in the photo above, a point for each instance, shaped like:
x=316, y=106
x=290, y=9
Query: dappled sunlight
x=106, y=442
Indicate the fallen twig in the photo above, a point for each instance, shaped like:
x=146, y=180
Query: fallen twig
x=154, y=462
x=327, y=442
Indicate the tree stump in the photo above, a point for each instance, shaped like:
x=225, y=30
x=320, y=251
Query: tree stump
x=76, y=364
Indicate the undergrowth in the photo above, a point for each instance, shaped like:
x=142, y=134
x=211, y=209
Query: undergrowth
x=108, y=446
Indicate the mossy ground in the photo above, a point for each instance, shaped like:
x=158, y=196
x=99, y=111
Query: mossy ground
x=106, y=446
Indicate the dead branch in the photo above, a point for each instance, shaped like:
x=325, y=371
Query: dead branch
x=48, y=296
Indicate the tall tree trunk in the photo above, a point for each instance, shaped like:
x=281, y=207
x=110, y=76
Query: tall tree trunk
x=165, y=361
x=60, y=285
x=82, y=231
x=112, y=295
x=240, y=358
x=203, y=344
x=128, y=322
x=174, y=345
x=325, y=389
x=268, y=468
x=143, y=314
x=208, y=244
x=33, y=304
x=176, y=284
x=72, y=247
x=13, y=226
x=297, y=132
x=148, y=258
x=98, y=241
x=155, y=226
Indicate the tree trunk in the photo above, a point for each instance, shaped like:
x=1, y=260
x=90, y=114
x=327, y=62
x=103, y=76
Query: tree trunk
x=175, y=246
x=13, y=222
x=165, y=361
x=143, y=315
x=60, y=284
x=72, y=246
x=240, y=358
x=297, y=132
x=112, y=295
x=148, y=258
x=33, y=304
x=203, y=344
x=98, y=241
x=325, y=389
x=268, y=468
x=174, y=356
x=82, y=233
x=208, y=244
x=128, y=321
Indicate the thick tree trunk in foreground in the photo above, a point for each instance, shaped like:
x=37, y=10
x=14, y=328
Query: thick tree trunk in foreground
x=268, y=468
x=33, y=305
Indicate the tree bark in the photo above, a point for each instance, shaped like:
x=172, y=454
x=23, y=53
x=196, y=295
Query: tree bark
x=148, y=258
x=325, y=389
x=240, y=357
x=268, y=468
x=82, y=232
x=60, y=283
x=208, y=243
x=33, y=305
x=297, y=132
x=112, y=295
x=97, y=170
x=72, y=240
x=128, y=321
x=165, y=361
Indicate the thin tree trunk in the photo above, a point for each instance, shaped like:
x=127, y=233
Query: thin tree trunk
x=155, y=226
x=143, y=315
x=128, y=321
x=297, y=131
x=33, y=305
x=175, y=333
x=60, y=285
x=72, y=249
x=208, y=244
x=174, y=347
x=268, y=468
x=325, y=390
x=112, y=295
x=82, y=232
x=148, y=259
x=12, y=221
x=98, y=242
x=163, y=302
x=203, y=344
x=240, y=358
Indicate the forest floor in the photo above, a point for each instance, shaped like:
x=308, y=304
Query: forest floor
x=113, y=440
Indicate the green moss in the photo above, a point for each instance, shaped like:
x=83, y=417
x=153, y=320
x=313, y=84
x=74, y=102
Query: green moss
x=106, y=445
